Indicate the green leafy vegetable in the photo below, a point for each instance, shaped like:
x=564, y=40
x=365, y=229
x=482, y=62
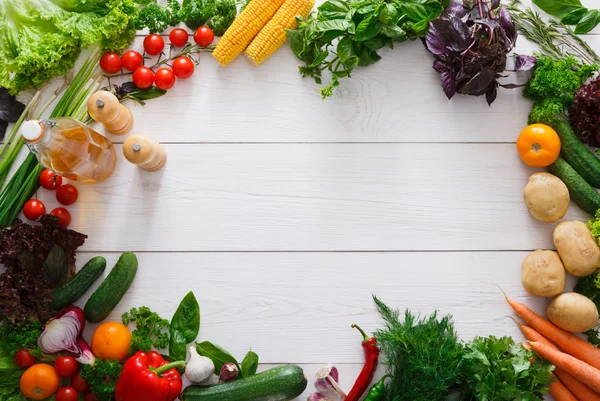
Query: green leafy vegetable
x=422, y=355
x=558, y=7
x=195, y=13
x=553, y=85
x=15, y=338
x=216, y=354
x=157, y=18
x=225, y=13
x=572, y=12
x=42, y=39
x=500, y=369
x=185, y=326
x=150, y=330
x=588, y=22
x=361, y=28
x=10, y=375
x=249, y=364
x=102, y=376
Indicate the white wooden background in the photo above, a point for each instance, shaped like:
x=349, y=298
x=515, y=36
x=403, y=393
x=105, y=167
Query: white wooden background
x=284, y=212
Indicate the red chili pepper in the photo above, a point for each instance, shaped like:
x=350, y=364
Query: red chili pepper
x=365, y=377
x=148, y=377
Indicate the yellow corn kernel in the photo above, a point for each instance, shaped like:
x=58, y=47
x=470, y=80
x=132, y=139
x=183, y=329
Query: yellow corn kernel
x=273, y=35
x=245, y=27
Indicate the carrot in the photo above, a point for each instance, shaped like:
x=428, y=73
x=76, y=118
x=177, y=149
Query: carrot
x=560, y=392
x=579, y=390
x=580, y=370
x=533, y=335
x=569, y=342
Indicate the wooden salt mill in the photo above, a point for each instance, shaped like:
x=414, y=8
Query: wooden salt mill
x=144, y=152
x=105, y=108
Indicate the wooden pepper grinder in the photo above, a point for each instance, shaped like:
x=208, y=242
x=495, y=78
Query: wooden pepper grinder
x=144, y=152
x=105, y=108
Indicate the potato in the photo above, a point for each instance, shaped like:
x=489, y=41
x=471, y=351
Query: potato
x=543, y=274
x=573, y=312
x=577, y=248
x=546, y=197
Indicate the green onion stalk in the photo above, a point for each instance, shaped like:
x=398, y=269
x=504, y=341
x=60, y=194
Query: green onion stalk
x=25, y=181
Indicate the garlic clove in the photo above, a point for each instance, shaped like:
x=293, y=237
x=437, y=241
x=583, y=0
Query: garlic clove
x=326, y=382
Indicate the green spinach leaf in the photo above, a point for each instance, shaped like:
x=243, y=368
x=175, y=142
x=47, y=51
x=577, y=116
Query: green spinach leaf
x=216, y=354
x=588, y=22
x=249, y=364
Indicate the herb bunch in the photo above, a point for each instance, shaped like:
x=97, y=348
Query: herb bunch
x=470, y=43
x=343, y=35
x=151, y=330
x=102, y=376
x=571, y=12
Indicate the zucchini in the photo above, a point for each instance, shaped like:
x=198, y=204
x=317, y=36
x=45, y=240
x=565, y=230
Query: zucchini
x=113, y=288
x=282, y=383
x=580, y=191
x=577, y=154
x=79, y=284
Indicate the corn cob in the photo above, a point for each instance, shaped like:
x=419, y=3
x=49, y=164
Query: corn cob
x=245, y=27
x=273, y=35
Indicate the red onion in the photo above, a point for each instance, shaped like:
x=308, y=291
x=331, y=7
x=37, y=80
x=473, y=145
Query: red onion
x=326, y=382
x=229, y=372
x=62, y=332
x=85, y=356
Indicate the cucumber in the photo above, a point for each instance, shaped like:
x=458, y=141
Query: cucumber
x=282, y=383
x=577, y=154
x=79, y=284
x=109, y=294
x=580, y=191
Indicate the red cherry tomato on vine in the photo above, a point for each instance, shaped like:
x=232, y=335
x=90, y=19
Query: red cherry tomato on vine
x=110, y=63
x=67, y=194
x=79, y=383
x=183, y=67
x=24, y=359
x=67, y=394
x=164, y=79
x=178, y=37
x=64, y=216
x=143, y=77
x=49, y=180
x=154, y=44
x=34, y=209
x=204, y=36
x=66, y=366
x=132, y=60
x=90, y=397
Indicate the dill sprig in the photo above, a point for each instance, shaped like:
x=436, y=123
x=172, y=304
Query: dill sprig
x=422, y=355
x=555, y=39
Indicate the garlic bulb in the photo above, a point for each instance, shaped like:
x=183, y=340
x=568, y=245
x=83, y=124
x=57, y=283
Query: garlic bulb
x=199, y=368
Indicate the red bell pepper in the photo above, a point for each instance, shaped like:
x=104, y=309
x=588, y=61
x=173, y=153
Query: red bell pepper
x=147, y=376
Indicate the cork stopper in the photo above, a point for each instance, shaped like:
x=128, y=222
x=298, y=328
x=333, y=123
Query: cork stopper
x=144, y=152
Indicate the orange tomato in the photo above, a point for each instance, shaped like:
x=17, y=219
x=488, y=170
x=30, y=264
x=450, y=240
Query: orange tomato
x=111, y=340
x=39, y=382
x=538, y=145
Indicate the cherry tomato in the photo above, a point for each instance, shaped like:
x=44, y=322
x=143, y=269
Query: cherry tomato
x=178, y=37
x=66, y=366
x=90, y=397
x=24, y=359
x=64, y=216
x=143, y=77
x=164, y=78
x=154, y=44
x=79, y=383
x=183, y=67
x=110, y=63
x=132, y=60
x=49, y=180
x=34, y=209
x=67, y=194
x=67, y=394
x=204, y=36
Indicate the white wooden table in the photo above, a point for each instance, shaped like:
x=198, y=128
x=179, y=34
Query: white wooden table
x=284, y=212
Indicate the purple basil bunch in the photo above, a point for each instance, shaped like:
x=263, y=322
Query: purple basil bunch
x=470, y=42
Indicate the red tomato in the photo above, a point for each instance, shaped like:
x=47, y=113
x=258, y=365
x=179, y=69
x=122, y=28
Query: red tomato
x=67, y=194
x=143, y=77
x=183, y=67
x=24, y=359
x=154, y=44
x=66, y=366
x=64, y=216
x=67, y=394
x=178, y=37
x=164, y=79
x=132, y=60
x=110, y=63
x=79, y=383
x=90, y=397
x=49, y=180
x=34, y=209
x=204, y=36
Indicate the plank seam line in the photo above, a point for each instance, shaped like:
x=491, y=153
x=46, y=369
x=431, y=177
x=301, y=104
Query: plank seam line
x=327, y=251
